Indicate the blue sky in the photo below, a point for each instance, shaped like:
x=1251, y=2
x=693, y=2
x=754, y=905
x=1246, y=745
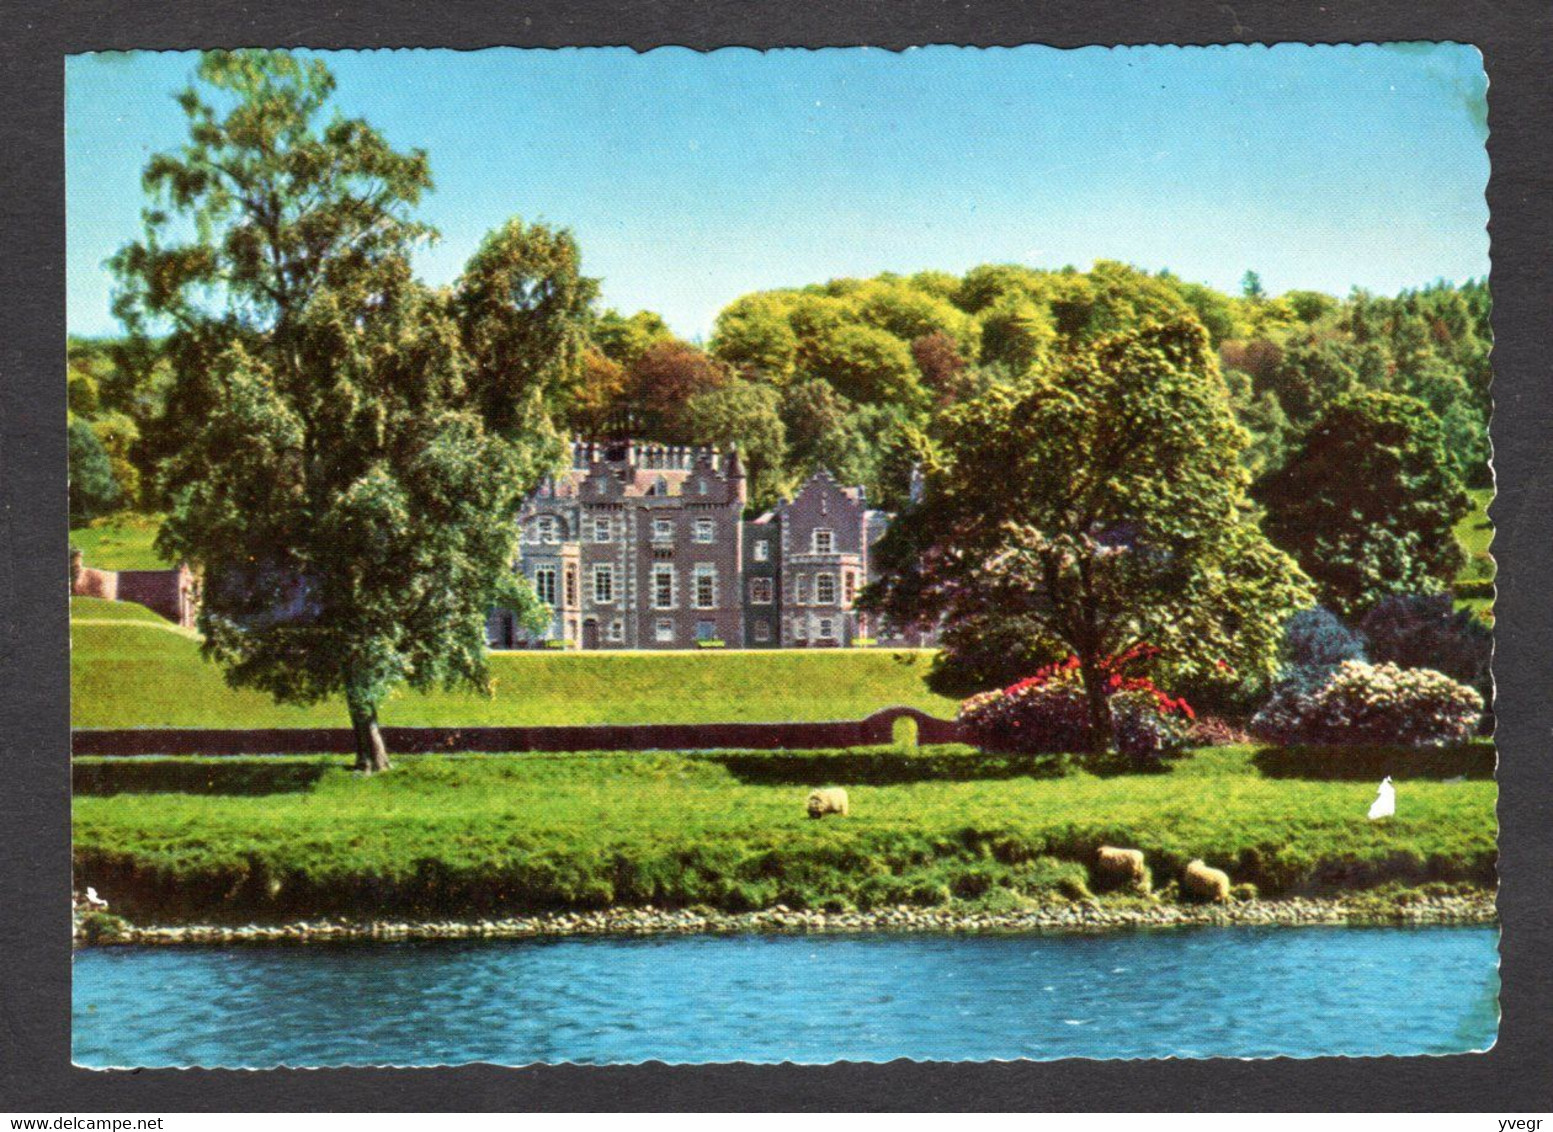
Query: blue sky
x=691, y=179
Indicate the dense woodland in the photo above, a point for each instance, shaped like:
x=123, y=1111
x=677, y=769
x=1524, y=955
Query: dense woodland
x=849, y=374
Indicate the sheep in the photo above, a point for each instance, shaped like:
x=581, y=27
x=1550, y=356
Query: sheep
x=831, y=800
x=1204, y=884
x=1121, y=868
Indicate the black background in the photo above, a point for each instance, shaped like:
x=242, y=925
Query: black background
x=35, y=1071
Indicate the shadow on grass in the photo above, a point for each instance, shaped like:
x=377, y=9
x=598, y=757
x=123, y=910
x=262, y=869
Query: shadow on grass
x=1473, y=760
x=182, y=776
x=885, y=766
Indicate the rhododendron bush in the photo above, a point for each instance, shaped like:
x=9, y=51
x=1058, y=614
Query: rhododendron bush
x=1372, y=703
x=1048, y=713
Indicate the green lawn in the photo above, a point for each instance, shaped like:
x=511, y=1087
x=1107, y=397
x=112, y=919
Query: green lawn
x=129, y=668
x=1475, y=532
x=96, y=610
x=120, y=542
x=443, y=835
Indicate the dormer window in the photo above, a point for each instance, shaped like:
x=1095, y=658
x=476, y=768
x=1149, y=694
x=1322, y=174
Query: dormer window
x=660, y=486
x=546, y=530
x=700, y=487
x=824, y=540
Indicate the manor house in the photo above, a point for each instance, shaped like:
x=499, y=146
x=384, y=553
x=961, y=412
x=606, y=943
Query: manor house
x=647, y=547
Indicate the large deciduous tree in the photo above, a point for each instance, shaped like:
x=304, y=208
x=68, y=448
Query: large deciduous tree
x=662, y=382
x=743, y=415
x=93, y=489
x=1368, y=502
x=1098, y=505
x=348, y=448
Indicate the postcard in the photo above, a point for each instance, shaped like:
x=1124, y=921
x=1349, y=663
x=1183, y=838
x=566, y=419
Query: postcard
x=593, y=557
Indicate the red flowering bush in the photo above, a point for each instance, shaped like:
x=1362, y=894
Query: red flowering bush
x=1048, y=713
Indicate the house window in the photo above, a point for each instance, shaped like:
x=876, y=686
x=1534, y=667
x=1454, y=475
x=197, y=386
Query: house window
x=601, y=530
x=571, y=585
x=800, y=590
x=706, y=587
x=851, y=587
x=800, y=630
x=662, y=530
x=700, y=487
x=762, y=550
x=762, y=630
x=827, y=629
x=663, y=629
x=660, y=486
x=603, y=584
x=545, y=530
x=706, y=630
x=544, y=584
x=825, y=589
x=760, y=591
x=824, y=540
x=663, y=587
x=617, y=631
x=703, y=530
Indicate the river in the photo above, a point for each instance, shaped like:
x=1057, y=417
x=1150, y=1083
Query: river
x=1190, y=992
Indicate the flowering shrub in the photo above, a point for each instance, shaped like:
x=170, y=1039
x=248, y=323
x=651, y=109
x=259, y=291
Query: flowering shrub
x=1216, y=731
x=1372, y=703
x=1048, y=713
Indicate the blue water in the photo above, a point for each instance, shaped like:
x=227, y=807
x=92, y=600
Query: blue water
x=1243, y=992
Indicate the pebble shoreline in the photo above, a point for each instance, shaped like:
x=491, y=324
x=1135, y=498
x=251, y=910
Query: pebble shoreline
x=1080, y=916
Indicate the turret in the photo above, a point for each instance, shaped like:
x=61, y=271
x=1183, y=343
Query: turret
x=736, y=478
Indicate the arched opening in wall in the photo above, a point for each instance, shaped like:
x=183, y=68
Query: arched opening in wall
x=903, y=733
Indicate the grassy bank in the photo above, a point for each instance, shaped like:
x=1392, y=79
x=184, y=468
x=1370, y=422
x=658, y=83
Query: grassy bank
x=485, y=835
x=1474, y=586
x=120, y=542
x=128, y=670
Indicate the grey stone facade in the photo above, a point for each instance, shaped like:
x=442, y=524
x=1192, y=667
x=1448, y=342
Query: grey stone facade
x=646, y=547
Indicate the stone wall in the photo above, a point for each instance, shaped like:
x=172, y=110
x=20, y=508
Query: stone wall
x=171, y=593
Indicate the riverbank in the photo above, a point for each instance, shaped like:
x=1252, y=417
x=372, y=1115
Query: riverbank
x=1409, y=907
x=466, y=839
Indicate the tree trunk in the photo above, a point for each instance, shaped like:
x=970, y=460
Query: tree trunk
x=1099, y=709
x=371, y=752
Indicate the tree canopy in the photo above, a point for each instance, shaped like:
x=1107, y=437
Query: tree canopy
x=347, y=448
x=1368, y=502
x=1097, y=506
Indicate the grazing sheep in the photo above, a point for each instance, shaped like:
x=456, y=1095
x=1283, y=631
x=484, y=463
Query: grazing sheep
x=1204, y=884
x=1121, y=868
x=832, y=800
